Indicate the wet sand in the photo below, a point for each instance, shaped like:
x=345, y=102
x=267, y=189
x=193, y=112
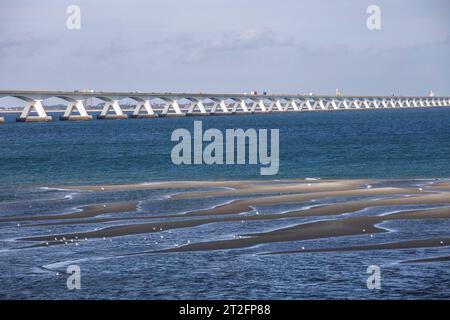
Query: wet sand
x=262, y=194
x=88, y=211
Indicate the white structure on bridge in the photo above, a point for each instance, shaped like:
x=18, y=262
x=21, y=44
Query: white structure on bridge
x=150, y=105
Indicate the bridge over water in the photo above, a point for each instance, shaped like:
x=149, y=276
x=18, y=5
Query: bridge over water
x=152, y=104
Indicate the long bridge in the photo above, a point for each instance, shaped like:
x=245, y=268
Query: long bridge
x=149, y=105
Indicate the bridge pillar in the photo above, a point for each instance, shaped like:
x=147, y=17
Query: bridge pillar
x=173, y=104
x=35, y=105
x=242, y=105
x=346, y=106
x=72, y=106
x=112, y=106
x=261, y=106
x=221, y=105
x=278, y=106
x=293, y=104
x=143, y=109
x=334, y=105
x=197, y=104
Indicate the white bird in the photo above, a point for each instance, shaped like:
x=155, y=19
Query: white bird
x=364, y=230
x=303, y=248
x=103, y=189
x=18, y=225
x=368, y=186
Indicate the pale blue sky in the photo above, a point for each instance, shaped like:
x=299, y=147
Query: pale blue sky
x=227, y=46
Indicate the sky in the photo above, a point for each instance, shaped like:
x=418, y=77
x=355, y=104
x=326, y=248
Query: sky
x=225, y=46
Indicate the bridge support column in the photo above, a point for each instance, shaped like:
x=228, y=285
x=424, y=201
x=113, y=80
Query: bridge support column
x=334, y=105
x=261, y=106
x=35, y=105
x=366, y=104
x=143, y=109
x=197, y=104
x=221, y=105
x=112, y=106
x=293, y=104
x=242, y=105
x=78, y=105
x=275, y=106
x=356, y=104
x=279, y=106
x=176, y=108
x=346, y=106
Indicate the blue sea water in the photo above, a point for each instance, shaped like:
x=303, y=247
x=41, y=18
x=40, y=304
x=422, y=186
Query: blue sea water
x=392, y=144
x=343, y=144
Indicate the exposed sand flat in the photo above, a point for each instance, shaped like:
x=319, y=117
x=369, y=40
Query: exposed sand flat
x=314, y=230
x=165, y=185
x=85, y=212
x=327, y=229
x=252, y=186
x=245, y=205
x=434, y=259
x=121, y=230
x=303, y=186
x=439, y=185
x=324, y=210
x=263, y=193
x=411, y=244
x=234, y=207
